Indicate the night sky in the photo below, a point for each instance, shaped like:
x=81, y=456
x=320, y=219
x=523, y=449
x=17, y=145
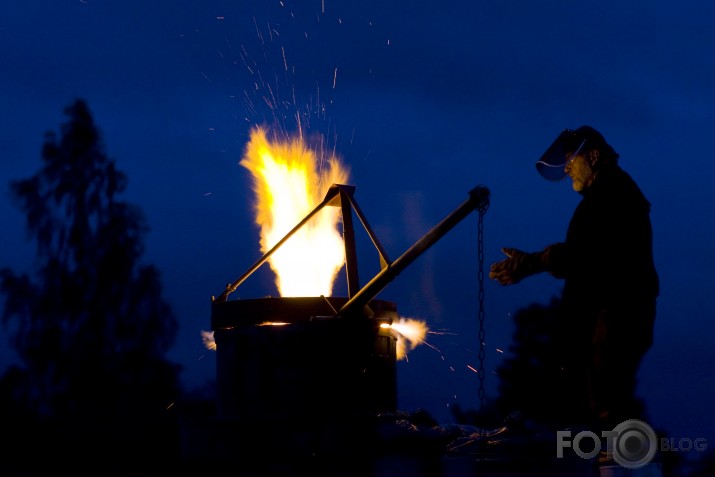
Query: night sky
x=422, y=101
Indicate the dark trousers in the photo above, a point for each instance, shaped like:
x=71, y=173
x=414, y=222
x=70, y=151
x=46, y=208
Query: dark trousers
x=601, y=357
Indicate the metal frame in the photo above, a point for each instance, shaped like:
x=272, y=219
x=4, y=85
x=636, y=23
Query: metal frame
x=343, y=196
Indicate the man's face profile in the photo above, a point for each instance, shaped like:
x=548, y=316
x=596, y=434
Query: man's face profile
x=578, y=168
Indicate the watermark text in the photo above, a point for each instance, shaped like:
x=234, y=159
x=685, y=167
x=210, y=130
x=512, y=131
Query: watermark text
x=631, y=444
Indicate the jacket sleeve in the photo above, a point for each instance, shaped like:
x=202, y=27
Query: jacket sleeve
x=556, y=259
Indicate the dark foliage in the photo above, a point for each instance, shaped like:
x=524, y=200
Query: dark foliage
x=531, y=379
x=90, y=326
x=529, y=376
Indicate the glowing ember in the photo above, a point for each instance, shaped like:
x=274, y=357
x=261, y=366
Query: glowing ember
x=208, y=338
x=411, y=334
x=289, y=182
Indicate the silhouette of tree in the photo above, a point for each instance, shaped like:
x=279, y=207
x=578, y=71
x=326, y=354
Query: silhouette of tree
x=90, y=326
x=529, y=377
x=531, y=381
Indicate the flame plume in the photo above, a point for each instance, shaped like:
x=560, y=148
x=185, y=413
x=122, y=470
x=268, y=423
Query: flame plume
x=289, y=182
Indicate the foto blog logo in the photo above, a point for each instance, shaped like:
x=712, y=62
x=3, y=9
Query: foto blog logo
x=631, y=444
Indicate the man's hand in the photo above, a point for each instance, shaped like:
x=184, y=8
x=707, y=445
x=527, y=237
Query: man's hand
x=516, y=266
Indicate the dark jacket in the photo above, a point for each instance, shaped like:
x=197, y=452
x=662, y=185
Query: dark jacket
x=607, y=262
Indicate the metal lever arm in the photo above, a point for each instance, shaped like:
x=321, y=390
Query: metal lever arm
x=478, y=199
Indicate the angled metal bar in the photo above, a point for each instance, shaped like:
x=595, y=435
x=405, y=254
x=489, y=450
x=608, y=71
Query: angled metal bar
x=478, y=198
x=351, y=263
x=230, y=288
x=384, y=260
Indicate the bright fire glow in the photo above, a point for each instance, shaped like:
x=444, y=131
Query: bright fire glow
x=289, y=183
x=411, y=333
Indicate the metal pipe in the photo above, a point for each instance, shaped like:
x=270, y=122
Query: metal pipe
x=478, y=199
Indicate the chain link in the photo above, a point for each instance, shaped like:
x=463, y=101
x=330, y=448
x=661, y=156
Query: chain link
x=480, y=279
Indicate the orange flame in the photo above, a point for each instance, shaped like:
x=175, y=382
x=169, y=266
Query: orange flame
x=289, y=183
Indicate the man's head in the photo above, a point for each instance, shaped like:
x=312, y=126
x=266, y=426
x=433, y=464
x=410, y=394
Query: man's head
x=579, y=153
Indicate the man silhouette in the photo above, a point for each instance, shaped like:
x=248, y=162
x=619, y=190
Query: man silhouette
x=610, y=281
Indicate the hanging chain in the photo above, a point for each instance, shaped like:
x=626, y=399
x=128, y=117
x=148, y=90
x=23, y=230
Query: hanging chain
x=480, y=279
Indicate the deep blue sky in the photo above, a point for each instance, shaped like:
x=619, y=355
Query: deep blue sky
x=423, y=101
